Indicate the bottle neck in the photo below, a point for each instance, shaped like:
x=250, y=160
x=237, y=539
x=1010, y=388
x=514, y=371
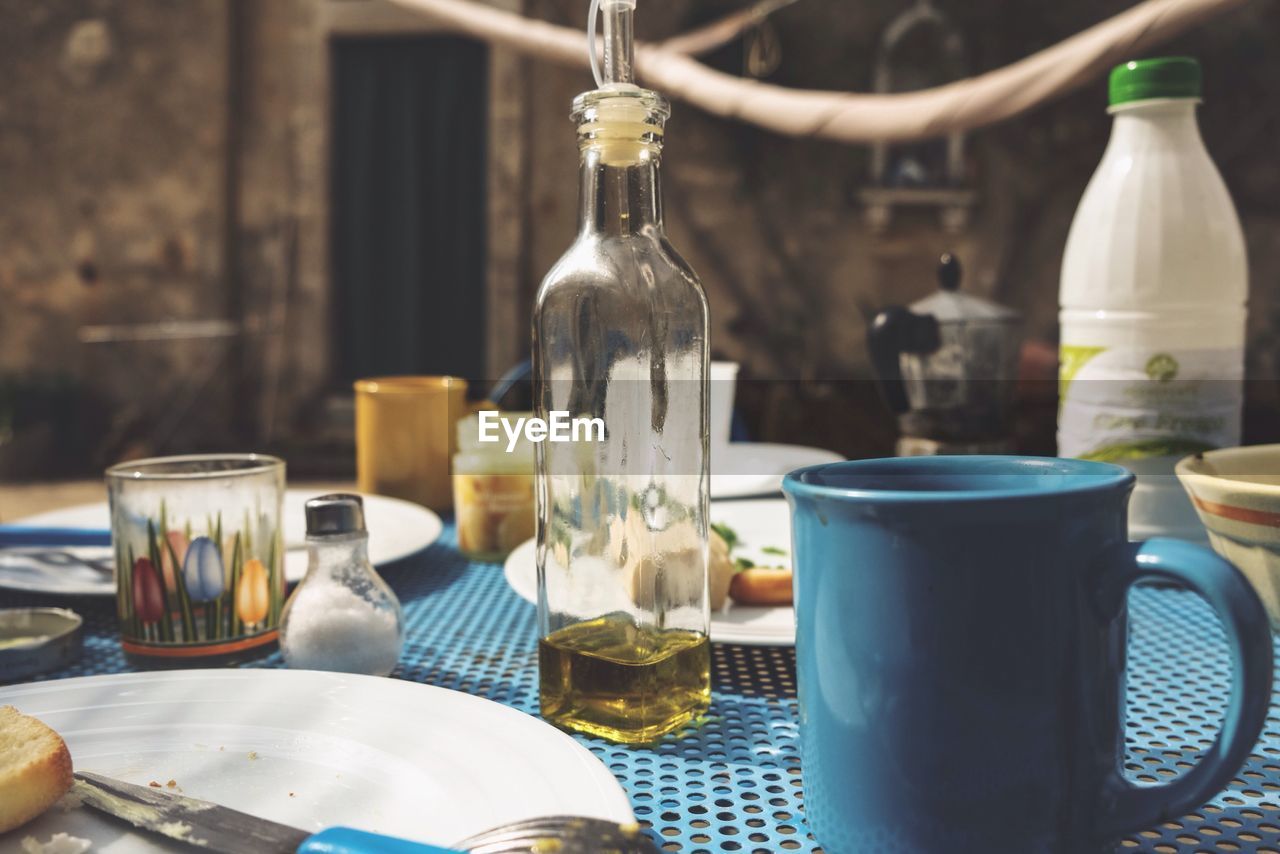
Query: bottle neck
x=619, y=198
x=1171, y=122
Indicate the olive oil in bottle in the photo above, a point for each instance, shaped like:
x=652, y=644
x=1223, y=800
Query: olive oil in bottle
x=620, y=335
x=611, y=678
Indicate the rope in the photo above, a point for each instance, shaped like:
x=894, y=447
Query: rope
x=848, y=116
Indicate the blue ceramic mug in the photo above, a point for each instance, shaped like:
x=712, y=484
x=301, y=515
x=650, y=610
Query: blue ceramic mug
x=960, y=655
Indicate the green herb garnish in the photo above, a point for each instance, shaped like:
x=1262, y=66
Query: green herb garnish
x=726, y=533
x=733, y=541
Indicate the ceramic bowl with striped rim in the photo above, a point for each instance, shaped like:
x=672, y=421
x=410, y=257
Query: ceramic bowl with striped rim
x=1236, y=491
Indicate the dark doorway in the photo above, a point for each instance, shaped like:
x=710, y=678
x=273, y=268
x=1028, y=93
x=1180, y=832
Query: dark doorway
x=408, y=195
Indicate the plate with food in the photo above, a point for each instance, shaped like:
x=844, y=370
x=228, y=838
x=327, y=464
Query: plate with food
x=307, y=749
x=749, y=575
x=745, y=469
x=397, y=529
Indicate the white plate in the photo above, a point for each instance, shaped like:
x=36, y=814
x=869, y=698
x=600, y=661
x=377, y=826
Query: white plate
x=744, y=469
x=761, y=524
x=397, y=529
x=314, y=750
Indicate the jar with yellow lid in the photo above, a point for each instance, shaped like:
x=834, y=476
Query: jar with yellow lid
x=493, y=495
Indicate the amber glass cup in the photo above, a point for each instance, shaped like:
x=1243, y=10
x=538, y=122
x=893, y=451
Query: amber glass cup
x=405, y=437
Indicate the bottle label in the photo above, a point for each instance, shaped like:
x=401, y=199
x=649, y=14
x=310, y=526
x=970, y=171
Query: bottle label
x=1117, y=403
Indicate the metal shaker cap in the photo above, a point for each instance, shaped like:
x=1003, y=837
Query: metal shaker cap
x=339, y=513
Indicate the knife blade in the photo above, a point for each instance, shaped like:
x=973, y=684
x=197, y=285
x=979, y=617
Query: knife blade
x=216, y=828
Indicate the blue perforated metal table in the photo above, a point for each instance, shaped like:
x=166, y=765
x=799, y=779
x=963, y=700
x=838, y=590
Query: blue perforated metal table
x=733, y=783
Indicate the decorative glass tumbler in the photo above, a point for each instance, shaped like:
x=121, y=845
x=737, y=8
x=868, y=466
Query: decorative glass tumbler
x=199, y=556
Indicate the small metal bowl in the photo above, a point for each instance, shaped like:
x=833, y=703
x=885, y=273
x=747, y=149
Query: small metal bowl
x=35, y=640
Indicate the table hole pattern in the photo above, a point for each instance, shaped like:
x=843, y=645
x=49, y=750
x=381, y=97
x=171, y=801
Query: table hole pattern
x=732, y=780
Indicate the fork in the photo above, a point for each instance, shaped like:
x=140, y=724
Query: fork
x=560, y=834
x=563, y=834
x=57, y=557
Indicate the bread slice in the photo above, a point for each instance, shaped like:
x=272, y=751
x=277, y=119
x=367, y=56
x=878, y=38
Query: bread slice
x=762, y=585
x=35, y=768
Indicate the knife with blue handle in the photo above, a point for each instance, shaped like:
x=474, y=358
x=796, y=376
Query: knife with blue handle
x=28, y=536
x=346, y=840
x=228, y=831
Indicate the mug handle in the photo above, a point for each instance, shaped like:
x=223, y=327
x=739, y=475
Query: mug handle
x=1127, y=806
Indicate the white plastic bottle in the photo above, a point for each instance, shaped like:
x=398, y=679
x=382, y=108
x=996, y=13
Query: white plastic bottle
x=1153, y=292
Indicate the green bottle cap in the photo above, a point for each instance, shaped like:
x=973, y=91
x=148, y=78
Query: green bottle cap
x=1163, y=77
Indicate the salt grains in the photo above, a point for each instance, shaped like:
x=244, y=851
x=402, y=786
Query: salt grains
x=333, y=628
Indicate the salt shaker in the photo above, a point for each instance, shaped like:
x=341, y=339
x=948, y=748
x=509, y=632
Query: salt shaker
x=342, y=617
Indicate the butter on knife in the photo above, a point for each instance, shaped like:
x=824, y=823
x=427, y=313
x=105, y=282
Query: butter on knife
x=224, y=830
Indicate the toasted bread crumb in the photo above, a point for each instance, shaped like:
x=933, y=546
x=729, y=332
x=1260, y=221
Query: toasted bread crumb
x=70, y=801
x=59, y=843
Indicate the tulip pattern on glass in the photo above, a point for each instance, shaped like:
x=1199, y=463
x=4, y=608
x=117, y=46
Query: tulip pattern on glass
x=199, y=582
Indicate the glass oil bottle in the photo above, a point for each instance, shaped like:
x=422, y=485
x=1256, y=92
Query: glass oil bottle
x=620, y=333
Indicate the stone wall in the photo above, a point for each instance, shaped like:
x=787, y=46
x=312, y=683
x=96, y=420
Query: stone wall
x=774, y=228
x=162, y=235
x=167, y=161
x=112, y=133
